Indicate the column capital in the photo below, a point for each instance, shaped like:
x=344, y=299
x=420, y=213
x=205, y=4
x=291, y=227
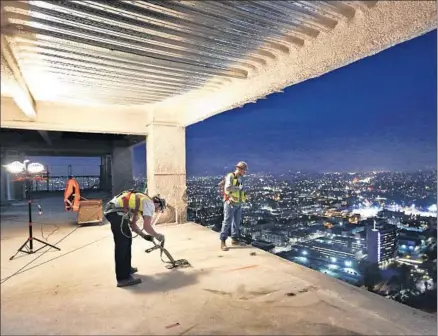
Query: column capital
x=162, y=124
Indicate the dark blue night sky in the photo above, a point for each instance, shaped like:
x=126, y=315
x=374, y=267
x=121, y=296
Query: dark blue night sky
x=378, y=113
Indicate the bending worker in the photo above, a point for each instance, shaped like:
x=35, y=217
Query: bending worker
x=122, y=212
x=234, y=196
x=72, y=195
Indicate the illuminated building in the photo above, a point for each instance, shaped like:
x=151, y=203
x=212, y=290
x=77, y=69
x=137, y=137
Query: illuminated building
x=354, y=219
x=328, y=225
x=382, y=244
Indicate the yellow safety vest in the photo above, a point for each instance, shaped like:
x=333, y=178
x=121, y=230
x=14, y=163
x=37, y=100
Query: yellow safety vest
x=131, y=201
x=234, y=196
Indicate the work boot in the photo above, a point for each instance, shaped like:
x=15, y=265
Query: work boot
x=134, y=270
x=224, y=246
x=128, y=282
x=236, y=242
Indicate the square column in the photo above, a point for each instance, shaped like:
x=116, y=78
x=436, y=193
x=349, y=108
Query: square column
x=4, y=186
x=105, y=173
x=121, y=169
x=10, y=189
x=166, y=169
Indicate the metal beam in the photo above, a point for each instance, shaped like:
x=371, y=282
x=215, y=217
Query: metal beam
x=64, y=148
x=14, y=82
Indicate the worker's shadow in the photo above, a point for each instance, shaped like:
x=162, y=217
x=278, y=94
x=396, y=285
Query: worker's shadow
x=162, y=282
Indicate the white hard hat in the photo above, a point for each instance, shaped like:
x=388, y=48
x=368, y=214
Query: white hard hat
x=242, y=164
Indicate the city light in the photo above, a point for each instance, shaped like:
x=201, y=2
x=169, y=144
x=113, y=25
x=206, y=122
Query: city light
x=348, y=263
x=432, y=208
x=367, y=212
x=333, y=259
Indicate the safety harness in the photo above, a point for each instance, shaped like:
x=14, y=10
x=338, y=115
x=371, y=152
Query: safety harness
x=172, y=263
x=126, y=199
x=126, y=212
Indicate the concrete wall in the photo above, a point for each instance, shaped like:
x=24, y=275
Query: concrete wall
x=121, y=169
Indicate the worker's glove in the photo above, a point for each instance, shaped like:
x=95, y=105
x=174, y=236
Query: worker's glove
x=147, y=237
x=159, y=237
x=240, y=186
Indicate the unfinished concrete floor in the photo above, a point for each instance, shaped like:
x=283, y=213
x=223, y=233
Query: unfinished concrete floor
x=73, y=292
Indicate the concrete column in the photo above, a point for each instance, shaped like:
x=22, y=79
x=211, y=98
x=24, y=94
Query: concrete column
x=105, y=173
x=5, y=190
x=8, y=186
x=121, y=169
x=166, y=169
x=109, y=174
x=11, y=190
x=102, y=174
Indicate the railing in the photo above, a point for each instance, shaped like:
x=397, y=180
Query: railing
x=87, y=176
x=58, y=183
x=73, y=169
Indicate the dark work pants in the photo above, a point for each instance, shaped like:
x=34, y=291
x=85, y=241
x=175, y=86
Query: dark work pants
x=122, y=245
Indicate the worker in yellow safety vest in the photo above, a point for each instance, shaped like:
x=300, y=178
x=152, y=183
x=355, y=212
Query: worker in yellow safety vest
x=122, y=212
x=234, y=196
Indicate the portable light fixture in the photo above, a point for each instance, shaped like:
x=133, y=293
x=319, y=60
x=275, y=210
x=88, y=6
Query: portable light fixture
x=27, y=171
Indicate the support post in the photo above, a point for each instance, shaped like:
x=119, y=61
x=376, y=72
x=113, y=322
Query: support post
x=166, y=169
x=14, y=190
x=121, y=169
x=5, y=188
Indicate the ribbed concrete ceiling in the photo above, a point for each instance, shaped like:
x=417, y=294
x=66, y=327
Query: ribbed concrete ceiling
x=144, y=52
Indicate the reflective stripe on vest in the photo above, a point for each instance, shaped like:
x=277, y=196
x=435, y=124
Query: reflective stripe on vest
x=234, y=196
x=127, y=201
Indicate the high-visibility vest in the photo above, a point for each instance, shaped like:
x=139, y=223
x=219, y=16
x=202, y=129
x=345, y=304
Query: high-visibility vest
x=234, y=196
x=130, y=201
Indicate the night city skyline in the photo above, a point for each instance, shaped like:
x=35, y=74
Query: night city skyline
x=272, y=165
x=376, y=114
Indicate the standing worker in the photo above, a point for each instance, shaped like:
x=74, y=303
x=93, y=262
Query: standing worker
x=234, y=196
x=122, y=211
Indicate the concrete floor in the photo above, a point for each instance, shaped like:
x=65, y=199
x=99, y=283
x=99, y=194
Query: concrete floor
x=73, y=291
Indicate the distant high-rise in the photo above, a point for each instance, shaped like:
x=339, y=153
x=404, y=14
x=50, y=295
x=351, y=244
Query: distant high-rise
x=382, y=242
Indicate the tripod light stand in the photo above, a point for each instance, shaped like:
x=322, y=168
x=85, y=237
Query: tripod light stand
x=26, y=172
